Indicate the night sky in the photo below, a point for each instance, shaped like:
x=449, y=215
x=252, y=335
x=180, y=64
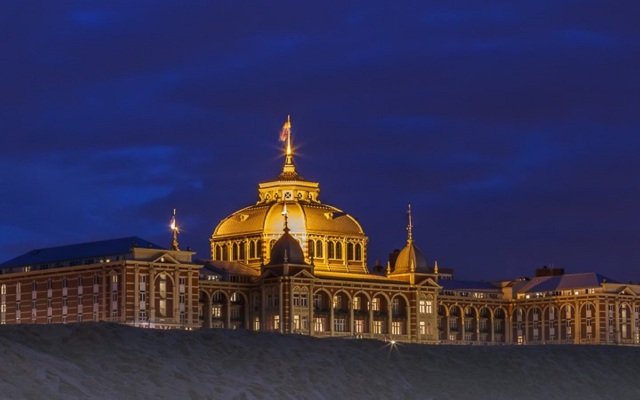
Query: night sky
x=513, y=129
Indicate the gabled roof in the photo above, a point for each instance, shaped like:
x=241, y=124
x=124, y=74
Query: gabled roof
x=230, y=267
x=563, y=282
x=467, y=285
x=100, y=248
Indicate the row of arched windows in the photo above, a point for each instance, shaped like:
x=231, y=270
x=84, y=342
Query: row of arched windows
x=237, y=251
x=334, y=250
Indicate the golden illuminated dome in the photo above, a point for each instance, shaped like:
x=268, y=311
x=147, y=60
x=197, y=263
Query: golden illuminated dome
x=411, y=259
x=304, y=217
x=329, y=237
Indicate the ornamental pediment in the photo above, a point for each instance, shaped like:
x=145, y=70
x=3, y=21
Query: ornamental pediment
x=165, y=259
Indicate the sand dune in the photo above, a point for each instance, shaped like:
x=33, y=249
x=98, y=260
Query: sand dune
x=116, y=362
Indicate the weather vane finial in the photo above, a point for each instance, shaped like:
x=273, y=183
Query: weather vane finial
x=176, y=230
x=409, y=227
x=285, y=136
x=285, y=214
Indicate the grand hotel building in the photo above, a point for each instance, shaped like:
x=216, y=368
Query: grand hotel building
x=292, y=264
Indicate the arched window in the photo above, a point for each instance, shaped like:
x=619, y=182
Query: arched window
x=349, y=251
x=252, y=249
x=339, y=250
x=358, y=252
x=225, y=252
x=312, y=251
x=318, y=249
x=236, y=253
x=218, y=252
x=331, y=252
x=241, y=251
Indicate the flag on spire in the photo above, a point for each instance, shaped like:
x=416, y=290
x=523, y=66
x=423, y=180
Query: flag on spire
x=173, y=225
x=176, y=230
x=286, y=130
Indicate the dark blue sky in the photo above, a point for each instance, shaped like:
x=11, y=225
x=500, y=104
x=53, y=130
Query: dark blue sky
x=513, y=128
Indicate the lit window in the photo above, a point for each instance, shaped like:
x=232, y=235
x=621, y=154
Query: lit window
x=216, y=312
x=377, y=327
x=396, y=328
x=318, y=324
x=163, y=307
x=356, y=303
x=337, y=302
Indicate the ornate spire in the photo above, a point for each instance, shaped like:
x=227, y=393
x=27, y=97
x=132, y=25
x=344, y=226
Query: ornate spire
x=286, y=218
x=287, y=128
x=289, y=170
x=409, y=227
x=176, y=230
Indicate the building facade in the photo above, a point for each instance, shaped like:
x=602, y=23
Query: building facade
x=128, y=280
x=292, y=264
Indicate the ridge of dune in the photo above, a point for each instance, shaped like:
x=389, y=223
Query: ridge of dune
x=101, y=360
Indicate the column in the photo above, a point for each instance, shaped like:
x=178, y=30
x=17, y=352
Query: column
x=136, y=295
x=207, y=310
x=331, y=323
x=389, y=318
x=492, y=336
x=311, y=315
x=617, y=317
x=447, y=330
x=105, y=286
x=578, y=324
x=189, y=298
x=152, y=295
x=227, y=322
x=123, y=293
x=263, y=307
x=370, y=322
x=351, y=317
x=176, y=296
x=281, y=305
x=597, y=337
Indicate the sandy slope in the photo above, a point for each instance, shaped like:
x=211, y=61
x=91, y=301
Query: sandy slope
x=117, y=362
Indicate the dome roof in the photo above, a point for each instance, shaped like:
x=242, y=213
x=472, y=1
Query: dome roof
x=410, y=258
x=286, y=250
x=304, y=217
x=249, y=234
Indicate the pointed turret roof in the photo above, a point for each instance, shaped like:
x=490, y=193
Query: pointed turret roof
x=286, y=249
x=410, y=259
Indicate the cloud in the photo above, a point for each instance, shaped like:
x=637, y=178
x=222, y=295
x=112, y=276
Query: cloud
x=512, y=128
